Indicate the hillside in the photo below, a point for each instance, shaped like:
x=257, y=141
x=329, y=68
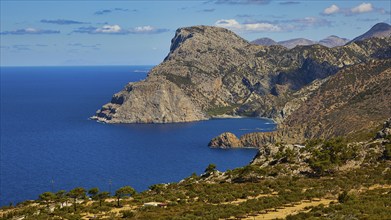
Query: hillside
x=211, y=71
x=331, y=179
x=350, y=103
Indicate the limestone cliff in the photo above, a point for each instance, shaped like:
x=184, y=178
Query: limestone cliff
x=211, y=71
x=154, y=100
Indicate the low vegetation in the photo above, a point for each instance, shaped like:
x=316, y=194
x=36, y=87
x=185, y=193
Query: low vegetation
x=352, y=191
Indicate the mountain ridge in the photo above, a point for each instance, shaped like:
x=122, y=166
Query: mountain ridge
x=353, y=101
x=378, y=30
x=216, y=72
x=330, y=41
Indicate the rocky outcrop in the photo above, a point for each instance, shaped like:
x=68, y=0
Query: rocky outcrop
x=154, y=100
x=255, y=139
x=312, y=157
x=386, y=131
x=225, y=140
x=211, y=71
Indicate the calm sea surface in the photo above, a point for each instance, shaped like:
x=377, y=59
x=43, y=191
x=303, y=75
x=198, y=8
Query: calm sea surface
x=48, y=143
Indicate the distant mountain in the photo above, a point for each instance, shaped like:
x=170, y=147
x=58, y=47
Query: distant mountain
x=379, y=30
x=330, y=41
x=333, y=41
x=265, y=41
x=296, y=42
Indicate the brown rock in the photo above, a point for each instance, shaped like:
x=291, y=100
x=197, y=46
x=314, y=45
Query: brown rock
x=225, y=140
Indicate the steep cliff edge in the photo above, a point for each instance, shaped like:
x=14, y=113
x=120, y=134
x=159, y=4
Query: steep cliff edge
x=154, y=100
x=212, y=71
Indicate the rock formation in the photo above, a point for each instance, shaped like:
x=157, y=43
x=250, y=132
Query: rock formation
x=386, y=131
x=211, y=71
x=155, y=100
x=225, y=140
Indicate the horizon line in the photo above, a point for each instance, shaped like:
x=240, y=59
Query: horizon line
x=98, y=65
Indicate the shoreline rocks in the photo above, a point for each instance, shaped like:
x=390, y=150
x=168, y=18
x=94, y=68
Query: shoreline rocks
x=225, y=140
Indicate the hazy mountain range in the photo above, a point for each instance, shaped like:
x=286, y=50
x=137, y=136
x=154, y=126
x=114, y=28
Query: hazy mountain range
x=379, y=30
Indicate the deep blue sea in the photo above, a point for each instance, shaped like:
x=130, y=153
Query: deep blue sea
x=48, y=143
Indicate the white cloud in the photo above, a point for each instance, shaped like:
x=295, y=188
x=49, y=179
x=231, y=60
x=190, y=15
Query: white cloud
x=109, y=29
x=331, y=10
x=229, y=23
x=143, y=29
x=362, y=8
x=250, y=27
x=117, y=30
x=359, y=9
x=29, y=30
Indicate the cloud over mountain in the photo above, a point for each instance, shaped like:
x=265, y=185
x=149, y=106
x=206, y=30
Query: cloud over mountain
x=248, y=27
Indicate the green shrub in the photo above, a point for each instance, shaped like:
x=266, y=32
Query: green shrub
x=127, y=214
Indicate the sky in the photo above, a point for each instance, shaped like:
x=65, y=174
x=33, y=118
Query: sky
x=73, y=33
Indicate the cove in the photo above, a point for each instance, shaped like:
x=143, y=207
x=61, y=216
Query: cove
x=48, y=143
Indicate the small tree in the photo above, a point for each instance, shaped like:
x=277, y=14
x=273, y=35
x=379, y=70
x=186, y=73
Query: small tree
x=77, y=193
x=344, y=197
x=211, y=168
x=61, y=197
x=124, y=191
x=47, y=197
x=102, y=196
x=98, y=196
x=93, y=192
x=157, y=188
x=387, y=152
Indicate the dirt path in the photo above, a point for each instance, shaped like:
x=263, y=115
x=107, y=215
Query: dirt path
x=238, y=201
x=284, y=212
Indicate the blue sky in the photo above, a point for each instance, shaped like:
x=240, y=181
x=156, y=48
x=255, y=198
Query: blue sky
x=55, y=33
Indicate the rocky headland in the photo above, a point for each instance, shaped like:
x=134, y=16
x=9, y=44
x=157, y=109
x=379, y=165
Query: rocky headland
x=211, y=71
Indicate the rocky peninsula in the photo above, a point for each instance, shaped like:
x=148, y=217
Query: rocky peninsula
x=211, y=71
